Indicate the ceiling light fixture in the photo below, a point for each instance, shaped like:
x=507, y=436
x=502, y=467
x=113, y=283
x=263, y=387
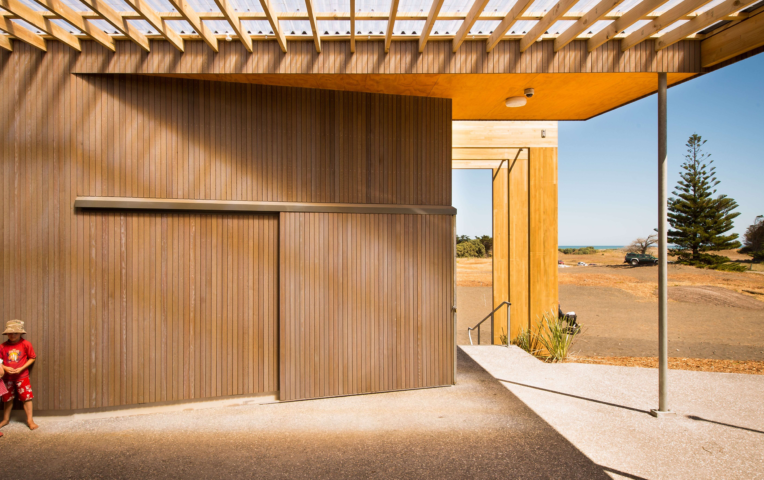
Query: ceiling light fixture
x=514, y=102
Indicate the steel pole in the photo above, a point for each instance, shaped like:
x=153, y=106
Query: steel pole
x=663, y=408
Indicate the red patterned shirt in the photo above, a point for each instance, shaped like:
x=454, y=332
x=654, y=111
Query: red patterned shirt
x=15, y=355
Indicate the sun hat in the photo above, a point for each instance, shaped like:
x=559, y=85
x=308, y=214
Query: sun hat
x=14, y=326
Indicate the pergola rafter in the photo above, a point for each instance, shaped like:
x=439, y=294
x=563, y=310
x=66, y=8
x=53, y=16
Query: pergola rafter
x=594, y=15
x=352, y=26
x=313, y=25
x=41, y=23
x=556, y=13
x=469, y=21
x=428, y=24
x=391, y=24
x=506, y=23
x=148, y=14
x=5, y=43
x=23, y=34
x=274, y=21
x=666, y=19
x=76, y=19
x=628, y=19
x=119, y=22
x=705, y=19
x=233, y=18
x=190, y=15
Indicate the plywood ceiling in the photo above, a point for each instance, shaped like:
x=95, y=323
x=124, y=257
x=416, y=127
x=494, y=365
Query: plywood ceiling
x=568, y=96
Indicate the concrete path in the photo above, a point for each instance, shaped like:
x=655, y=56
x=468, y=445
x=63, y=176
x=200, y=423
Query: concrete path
x=602, y=410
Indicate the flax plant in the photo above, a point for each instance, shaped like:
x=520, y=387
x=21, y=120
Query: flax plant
x=551, y=340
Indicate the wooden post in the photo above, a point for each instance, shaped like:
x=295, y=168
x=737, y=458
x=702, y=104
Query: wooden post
x=500, y=245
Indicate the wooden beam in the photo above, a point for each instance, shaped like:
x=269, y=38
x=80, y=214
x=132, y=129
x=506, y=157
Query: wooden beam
x=23, y=34
x=352, y=26
x=663, y=21
x=705, y=19
x=428, y=24
x=39, y=22
x=233, y=18
x=118, y=21
x=506, y=23
x=75, y=18
x=589, y=18
x=313, y=25
x=469, y=21
x=133, y=203
x=391, y=24
x=274, y=21
x=5, y=43
x=148, y=14
x=745, y=36
x=627, y=19
x=190, y=15
x=559, y=9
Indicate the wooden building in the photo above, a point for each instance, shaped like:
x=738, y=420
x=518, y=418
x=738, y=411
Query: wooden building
x=185, y=217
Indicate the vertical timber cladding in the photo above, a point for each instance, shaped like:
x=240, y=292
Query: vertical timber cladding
x=365, y=303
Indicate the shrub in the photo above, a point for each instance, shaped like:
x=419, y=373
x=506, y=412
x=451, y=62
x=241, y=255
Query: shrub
x=470, y=249
x=551, y=341
x=707, y=260
x=578, y=251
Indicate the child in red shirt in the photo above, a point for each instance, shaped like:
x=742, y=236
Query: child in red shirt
x=17, y=355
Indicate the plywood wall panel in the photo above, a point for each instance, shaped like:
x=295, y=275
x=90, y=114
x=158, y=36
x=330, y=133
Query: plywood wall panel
x=366, y=305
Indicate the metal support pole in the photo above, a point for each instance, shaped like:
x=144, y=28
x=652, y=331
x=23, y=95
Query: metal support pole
x=662, y=250
x=492, y=329
x=509, y=334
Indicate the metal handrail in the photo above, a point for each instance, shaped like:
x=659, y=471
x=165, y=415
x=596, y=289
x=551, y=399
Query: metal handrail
x=490, y=315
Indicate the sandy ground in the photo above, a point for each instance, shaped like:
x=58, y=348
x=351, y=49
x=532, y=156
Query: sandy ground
x=475, y=429
x=712, y=315
x=717, y=431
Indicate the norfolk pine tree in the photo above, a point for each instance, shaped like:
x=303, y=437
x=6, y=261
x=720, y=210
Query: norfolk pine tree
x=699, y=220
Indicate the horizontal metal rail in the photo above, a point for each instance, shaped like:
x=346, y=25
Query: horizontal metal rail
x=490, y=315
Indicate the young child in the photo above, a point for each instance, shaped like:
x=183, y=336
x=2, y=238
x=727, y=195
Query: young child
x=17, y=355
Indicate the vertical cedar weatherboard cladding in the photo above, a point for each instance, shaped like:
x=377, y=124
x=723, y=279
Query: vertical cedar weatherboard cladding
x=366, y=305
x=117, y=304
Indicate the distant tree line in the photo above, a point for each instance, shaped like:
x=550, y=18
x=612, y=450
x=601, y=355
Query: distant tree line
x=478, y=247
x=578, y=251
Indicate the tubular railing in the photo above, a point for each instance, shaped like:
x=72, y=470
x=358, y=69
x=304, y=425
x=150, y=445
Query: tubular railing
x=490, y=315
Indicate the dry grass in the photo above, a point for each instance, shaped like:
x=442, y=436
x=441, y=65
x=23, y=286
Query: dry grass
x=696, y=364
x=632, y=285
x=474, y=272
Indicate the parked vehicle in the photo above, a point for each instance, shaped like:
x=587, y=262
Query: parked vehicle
x=583, y=264
x=560, y=262
x=640, y=259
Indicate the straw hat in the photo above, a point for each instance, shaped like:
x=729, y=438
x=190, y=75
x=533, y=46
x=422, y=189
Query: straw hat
x=14, y=326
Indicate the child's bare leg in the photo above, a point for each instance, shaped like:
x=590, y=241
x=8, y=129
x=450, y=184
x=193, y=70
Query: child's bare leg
x=28, y=409
x=7, y=413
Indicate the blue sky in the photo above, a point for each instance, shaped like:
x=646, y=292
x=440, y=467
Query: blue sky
x=608, y=165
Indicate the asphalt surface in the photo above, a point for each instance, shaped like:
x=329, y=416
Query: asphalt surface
x=476, y=429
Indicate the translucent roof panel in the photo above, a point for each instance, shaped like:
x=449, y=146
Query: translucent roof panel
x=296, y=27
x=247, y=5
x=408, y=27
x=446, y=27
x=500, y=6
x=26, y=25
x=257, y=27
x=583, y=6
x=219, y=26
x=279, y=6
x=624, y=7
x=143, y=26
x=181, y=26
x=334, y=27
x=674, y=25
x=105, y=26
x=118, y=5
x=371, y=27
x=67, y=26
x=598, y=26
x=422, y=6
x=373, y=5
x=560, y=26
x=666, y=7
x=203, y=5
x=541, y=6
x=160, y=5
x=76, y=5
x=708, y=6
x=484, y=27
x=451, y=6
x=332, y=5
x=636, y=26
x=522, y=27
x=33, y=5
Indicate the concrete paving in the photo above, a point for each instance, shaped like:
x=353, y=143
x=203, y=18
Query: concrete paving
x=718, y=430
x=538, y=421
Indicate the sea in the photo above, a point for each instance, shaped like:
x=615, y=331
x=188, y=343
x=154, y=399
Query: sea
x=596, y=247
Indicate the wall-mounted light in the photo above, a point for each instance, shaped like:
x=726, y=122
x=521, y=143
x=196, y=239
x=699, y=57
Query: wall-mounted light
x=228, y=37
